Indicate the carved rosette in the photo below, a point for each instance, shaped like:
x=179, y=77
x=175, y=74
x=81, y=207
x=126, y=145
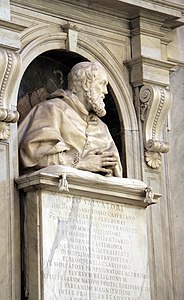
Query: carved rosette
x=155, y=104
x=9, y=67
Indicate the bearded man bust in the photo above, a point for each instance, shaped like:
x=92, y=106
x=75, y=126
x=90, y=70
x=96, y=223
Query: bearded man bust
x=66, y=129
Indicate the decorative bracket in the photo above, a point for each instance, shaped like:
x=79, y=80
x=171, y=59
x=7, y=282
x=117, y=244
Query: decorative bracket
x=63, y=183
x=72, y=32
x=9, y=67
x=155, y=104
x=6, y=117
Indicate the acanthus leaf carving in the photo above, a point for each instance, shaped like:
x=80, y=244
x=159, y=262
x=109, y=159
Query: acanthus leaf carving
x=4, y=131
x=155, y=104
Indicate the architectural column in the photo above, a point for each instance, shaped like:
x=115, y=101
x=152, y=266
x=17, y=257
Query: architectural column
x=149, y=77
x=9, y=207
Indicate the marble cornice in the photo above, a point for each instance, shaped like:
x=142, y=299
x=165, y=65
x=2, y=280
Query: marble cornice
x=167, y=65
x=152, y=33
x=134, y=6
x=172, y=5
x=70, y=5
x=55, y=11
x=154, y=27
x=10, y=34
x=11, y=26
x=61, y=179
x=141, y=66
x=176, y=62
x=170, y=14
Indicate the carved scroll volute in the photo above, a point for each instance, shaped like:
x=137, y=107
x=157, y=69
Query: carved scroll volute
x=9, y=68
x=155, y=104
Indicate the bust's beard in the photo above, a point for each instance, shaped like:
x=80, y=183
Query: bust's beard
x=96, y=102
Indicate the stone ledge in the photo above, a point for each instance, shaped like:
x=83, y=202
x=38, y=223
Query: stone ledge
x=83, y=183
x=171, y=14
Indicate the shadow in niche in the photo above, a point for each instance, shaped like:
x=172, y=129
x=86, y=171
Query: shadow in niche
x=47, y=73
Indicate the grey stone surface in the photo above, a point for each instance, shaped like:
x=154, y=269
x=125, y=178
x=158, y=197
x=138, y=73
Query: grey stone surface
x=177, y=173
x=5, y=10
x=89, y=242
x=93, y=249
x=4, y=227
x=42, y=22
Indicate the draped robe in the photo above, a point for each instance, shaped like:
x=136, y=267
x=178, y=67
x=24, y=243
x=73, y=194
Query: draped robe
x=60, y=131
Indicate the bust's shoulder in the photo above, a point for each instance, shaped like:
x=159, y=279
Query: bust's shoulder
x=52, y=103
x=59, y=93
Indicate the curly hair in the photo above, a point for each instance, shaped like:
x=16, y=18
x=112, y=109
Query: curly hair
x=80, y=72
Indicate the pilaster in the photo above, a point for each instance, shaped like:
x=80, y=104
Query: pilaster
x=149, y=70
x=149, y=75
x=9, y=69
x=9, y=203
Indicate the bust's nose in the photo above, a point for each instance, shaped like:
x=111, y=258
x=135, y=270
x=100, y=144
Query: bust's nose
x=105, y=90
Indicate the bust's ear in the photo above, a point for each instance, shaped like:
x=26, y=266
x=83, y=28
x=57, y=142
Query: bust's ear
x=86, y=84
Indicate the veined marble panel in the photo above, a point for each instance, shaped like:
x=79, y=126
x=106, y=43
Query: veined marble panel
x=93, y=249
x=5, y=10
x=5, y=254
x=85, y=235
x=9, y=38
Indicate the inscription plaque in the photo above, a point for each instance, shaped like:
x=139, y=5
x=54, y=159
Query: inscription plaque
x=93, y=249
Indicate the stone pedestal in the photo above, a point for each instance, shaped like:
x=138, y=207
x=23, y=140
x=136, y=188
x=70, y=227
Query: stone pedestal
x=85, y=236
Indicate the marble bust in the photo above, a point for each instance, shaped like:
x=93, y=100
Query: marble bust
x=66, y=128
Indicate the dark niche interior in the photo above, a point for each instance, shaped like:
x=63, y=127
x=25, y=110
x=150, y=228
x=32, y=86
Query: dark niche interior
x=47, y=73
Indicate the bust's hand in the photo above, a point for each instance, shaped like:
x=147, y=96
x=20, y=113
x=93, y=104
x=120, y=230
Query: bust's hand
x=98, y=161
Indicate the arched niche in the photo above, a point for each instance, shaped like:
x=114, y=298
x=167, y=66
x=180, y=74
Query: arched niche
x=48, y=72
x=41, y=39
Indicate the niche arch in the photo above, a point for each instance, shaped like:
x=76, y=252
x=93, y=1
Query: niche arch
x=41, y=39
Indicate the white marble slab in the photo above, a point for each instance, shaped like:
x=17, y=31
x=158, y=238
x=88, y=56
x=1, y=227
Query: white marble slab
x=93, y=249
x=4, y=10
x=82, y=183
x=9, y=38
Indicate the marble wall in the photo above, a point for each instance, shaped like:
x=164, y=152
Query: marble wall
x=84, y=243
x=5, y=230
x=5, y=10
x=28, y=35
x=93, y=249
x=177, y=173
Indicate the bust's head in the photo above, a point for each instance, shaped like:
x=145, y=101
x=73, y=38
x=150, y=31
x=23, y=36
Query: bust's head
x=88, y=80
